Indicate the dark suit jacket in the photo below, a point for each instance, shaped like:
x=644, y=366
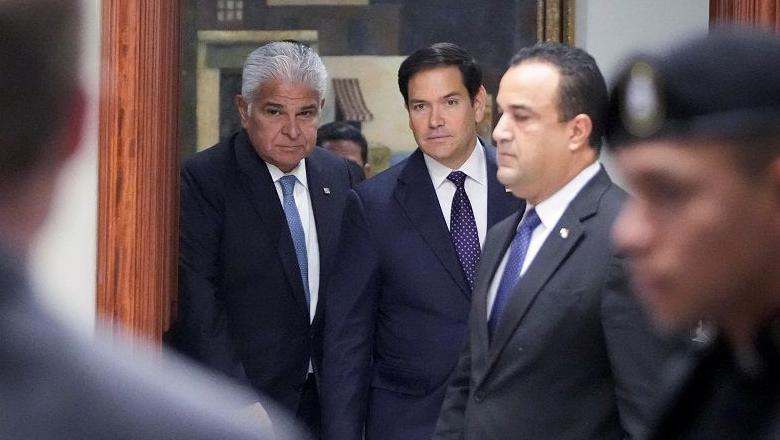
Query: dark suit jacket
x=397, y=306
x=241, y=300
x=708, y=395
x=54, y=386
x=572, y=356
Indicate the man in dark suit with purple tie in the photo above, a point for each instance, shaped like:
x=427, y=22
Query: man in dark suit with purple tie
x=398, y=300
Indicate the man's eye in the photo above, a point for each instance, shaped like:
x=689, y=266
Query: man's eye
x=667, y=194
x=273, y=112
x=418, y=107
x=306, y=113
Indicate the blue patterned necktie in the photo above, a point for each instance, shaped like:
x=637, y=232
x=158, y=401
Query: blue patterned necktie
x=463, y=228
x=296, y=229
x=514, y=265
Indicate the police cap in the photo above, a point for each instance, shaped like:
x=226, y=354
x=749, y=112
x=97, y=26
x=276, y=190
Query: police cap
x=725, y=84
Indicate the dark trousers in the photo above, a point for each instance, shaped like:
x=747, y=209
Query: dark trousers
x=309, y=409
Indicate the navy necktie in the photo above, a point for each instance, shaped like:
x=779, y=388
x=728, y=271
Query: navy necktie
x=296, y=229
x=514, y=265
x=463, y=228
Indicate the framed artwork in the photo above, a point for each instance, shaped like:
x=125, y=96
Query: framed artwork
x=362, y=43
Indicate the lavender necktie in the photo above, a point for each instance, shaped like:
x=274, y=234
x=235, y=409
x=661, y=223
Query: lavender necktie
x=463, y=228
x=514, y=265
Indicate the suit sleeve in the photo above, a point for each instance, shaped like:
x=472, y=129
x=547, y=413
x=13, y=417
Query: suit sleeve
x=453, y=410
x=201, y=330
x=350, y=316
x=636, y=353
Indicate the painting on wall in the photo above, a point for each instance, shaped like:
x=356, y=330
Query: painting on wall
x=362, y=43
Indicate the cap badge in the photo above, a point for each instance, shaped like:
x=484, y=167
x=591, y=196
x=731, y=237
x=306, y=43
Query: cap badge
x=643, y=110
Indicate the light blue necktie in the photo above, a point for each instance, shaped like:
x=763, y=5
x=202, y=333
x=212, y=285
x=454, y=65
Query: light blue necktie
x=296, y=229
x=514, y=265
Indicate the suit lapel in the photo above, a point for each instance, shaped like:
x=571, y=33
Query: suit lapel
x=417, y=197
x=325, y=216
x=552, y=254
x=491, y=258
x=262, y=192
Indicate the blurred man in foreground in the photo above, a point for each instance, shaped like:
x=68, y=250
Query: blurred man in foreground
x=697, y=134
x=53, y=386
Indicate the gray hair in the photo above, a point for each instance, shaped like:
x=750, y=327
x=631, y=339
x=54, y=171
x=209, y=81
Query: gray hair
x=282, y=61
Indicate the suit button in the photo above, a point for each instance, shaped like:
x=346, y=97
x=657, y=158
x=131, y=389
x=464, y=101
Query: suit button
x=479, y=396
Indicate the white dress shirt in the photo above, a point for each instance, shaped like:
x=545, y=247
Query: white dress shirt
x=550, y=212
x=305, y=211
x=476, y=187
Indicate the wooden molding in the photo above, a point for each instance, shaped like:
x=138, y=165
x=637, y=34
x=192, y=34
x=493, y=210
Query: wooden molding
x=764, y=14
x=138, y=164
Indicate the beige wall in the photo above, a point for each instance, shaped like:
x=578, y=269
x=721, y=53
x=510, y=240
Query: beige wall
x=379, y=82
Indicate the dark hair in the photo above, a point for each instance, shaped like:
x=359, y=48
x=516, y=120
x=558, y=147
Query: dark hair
x=39, y=46
x=582, y=89
x=337, y=131
x=440, y=55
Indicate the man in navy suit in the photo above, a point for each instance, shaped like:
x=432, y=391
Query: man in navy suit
x=557, y=346
x=260, y=218
x=399, y=296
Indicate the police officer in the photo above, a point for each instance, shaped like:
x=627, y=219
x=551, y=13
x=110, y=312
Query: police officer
x=697, y=134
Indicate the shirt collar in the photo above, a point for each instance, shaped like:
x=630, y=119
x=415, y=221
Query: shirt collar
x=551, y=209
x=474, y=167
x=299, y=172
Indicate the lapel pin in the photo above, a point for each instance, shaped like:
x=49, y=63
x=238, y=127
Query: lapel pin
x=564, y=232
x=326, y=190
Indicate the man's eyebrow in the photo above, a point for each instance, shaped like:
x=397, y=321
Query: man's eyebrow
x=513, y=108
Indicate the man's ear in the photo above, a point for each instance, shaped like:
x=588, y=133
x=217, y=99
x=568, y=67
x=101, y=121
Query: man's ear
x=68, y=138
x=243, y=109
x=774, y=174
x=480, y=102
x=580, y=128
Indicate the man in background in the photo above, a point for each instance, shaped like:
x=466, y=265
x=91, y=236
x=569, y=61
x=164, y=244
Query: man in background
x=557, y=346
x=346, y=141
x=53, y=385
x=260, y=219
x=399, y=297
x=696, y=132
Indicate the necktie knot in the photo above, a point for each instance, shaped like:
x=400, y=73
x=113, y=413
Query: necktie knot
x=288, y=185
x=458, y=178
x=530, y=222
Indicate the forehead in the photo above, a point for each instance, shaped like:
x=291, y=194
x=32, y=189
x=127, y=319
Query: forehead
x=287, y=93
x=532, y=83
x=436, y=82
